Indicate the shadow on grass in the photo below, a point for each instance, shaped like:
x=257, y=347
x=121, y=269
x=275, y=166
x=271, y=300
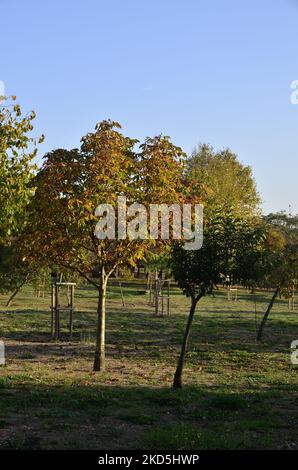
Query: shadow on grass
x=141, y=333
x=104, y=417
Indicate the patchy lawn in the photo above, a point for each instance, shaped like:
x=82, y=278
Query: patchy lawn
x=237, y=395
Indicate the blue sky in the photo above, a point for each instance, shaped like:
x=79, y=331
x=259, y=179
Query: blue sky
x=199, y=70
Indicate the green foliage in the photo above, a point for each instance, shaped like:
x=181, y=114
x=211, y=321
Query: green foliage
x=229, y=241
x=224, y=181
x=159, y=261
x=17, y=151
x=280, y=266
x=12, y=272
x=16, y=271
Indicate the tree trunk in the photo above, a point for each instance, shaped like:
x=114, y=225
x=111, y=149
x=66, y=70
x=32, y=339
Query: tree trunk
x=68, y=296
x=266, y=315
x=17, y=290
x=177, y=383
x=99, y=359
x=121, y=292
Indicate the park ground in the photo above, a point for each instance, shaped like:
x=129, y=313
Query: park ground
x=238, y=394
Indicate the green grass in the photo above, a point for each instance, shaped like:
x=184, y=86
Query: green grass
x=238, y=394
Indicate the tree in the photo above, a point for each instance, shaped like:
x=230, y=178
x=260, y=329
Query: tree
x=71, y=185
x=16, y=271
x=13, y=274
x=280, y=261
x=225, y=182
x=226, y=239
x=17, y=151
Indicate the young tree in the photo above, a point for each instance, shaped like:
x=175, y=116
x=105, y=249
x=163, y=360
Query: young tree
x=13, y=274
x=197, y=273
x=280, y=261
x=15, y=271
x=72, y=184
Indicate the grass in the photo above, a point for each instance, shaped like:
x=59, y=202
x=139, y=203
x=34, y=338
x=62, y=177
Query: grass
x=238, y=394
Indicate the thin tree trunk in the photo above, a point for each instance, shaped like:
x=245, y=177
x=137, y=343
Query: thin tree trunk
x=121, y=292
x=99, y=358
x=17, y=290
x=266, y=315
x=177, y=383
x=147, y=281
x=68, y=296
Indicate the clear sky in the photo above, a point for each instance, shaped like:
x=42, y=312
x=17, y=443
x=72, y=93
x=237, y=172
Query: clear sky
x=198, y=70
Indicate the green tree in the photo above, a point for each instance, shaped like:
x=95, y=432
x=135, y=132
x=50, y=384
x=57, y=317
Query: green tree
x=279, y=265
x=226, y=239
x=17, y=151
x=225, y=183
x=15, y=271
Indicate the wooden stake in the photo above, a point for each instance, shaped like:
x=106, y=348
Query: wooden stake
x=168, y=299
